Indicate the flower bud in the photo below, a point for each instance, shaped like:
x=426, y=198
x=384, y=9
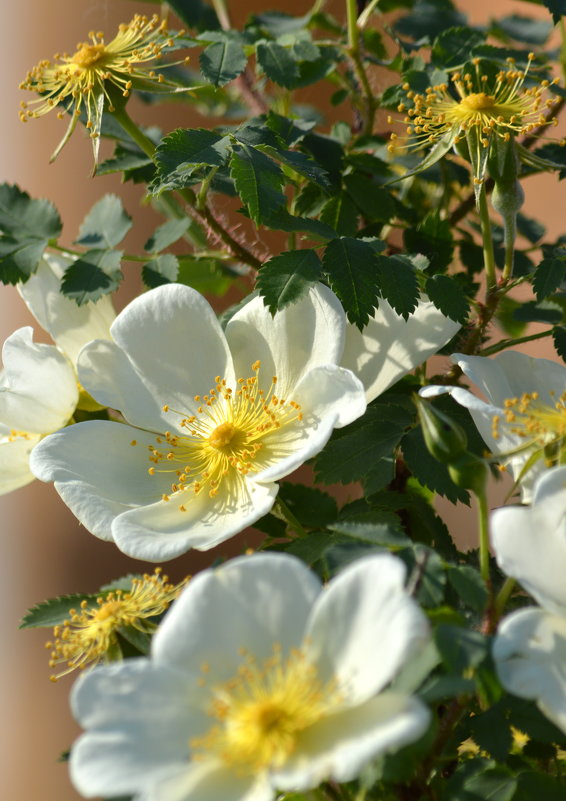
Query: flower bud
x=469, y=472
x=444, y=438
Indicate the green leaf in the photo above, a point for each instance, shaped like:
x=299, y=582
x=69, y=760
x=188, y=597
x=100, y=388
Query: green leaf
x=258, y=181
x=429, y=18
x=495, y=784
x=278, y=63
x=105, y=225
x=541, y=312
x=531, y=229
x=283, y=221
x=452, y=47
x=312, y=507
x=375, y=202
x=491, y=731
x=426, y=576
x=182, y=152
x=548, y=277
x=377, y=527
x=469, y=586
x=285, y=278
x=19, y=258
x=351, y=267
x=531, y=785
x=437, y=688
x=291, y=131
x=341, y=214
x=26, y=226
x=525, y=29
x=312, y=547
x=53, y=612
x=23, y=217
x=204, y=275
x=305, y=166
x=557, y=8
x=163, y=269
x=433, y=238
x=166, y=234
x=448, y=296
x=93, y=275
x=559, y=338
x=353, y=451
x=398, y=283
x=428, y=471
x=221, y=62
x=460, y=648
x=141, y=640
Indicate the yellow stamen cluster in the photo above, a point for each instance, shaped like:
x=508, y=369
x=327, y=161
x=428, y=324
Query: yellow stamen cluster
x=89, y=633
x=261, y=712
x=14, y=435
x=499, y=106
x=531, y=420
x=226, y=439
x=83, y=78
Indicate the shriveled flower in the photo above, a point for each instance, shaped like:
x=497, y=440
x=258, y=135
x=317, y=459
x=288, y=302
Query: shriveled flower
x=97, y=72
x=480, y=101
x=524, y=418
x=38, y=385
x=259, y=681
x=214, y=419
x=530, y=646
x=90, y=634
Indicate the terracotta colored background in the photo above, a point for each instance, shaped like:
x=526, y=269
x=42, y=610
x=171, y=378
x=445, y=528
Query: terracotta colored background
x=43, y=552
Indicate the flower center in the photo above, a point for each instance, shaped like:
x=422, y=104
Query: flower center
x=90, y=633
x=261, y=712
x=477, y=102
x=232, y=434
x=529, y=419
x=88, y=54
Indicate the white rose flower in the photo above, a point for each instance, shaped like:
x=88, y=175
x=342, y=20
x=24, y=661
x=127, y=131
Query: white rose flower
x=38, y=385
x=259, y=681
x=530, y=646
x=214, y=419
x=525, y=412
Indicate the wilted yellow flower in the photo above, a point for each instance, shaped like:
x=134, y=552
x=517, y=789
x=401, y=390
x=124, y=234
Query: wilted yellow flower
x=97, y=72
x=89, y=634
x=489, y=104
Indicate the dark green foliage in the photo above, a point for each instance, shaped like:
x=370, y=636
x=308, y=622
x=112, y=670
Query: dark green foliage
x=26, y=227
x=106, y=224
x=224, y=60
x=398, y=283
x=352, y=270
x=285, y=278
x=163, y=269
x=93, y=275
x=258, y=182
x=448, y=296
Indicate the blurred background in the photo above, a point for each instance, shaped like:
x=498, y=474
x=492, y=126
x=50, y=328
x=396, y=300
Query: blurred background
x=43, y=552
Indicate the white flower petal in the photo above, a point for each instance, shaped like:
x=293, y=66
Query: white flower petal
x=106, y=372
x=340, y=745
x=304, y=335
x=208, y=781
x=530, y=542
x=69, y=325
x=127, y=744
x=530, y=655
x=14, y=460
x=511, y=373
x=38, y=387
x=364, y=627
x=330, y=397
x=251, y=602
x=389, y=347
x=173, y=339
x=161, y=530
x=112, y=478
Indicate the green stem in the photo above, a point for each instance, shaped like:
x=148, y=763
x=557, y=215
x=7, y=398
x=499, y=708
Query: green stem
x=503, y=596
x=487, y=241
x=363, y=19
x=509, y=343
x=353, y=32
x=222, y=13
x=510, y=228
x=189, y=196
x=483, y=535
